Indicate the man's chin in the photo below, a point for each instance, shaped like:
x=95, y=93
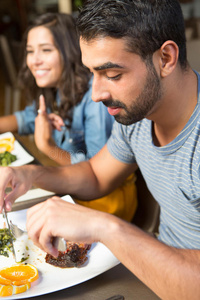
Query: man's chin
x=126, y=121
x=123, y=121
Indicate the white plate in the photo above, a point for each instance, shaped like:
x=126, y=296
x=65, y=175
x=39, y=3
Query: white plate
x=51, y=278
x=23, y=157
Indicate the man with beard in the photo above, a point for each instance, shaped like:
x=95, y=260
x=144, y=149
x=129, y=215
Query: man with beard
x=136, y=50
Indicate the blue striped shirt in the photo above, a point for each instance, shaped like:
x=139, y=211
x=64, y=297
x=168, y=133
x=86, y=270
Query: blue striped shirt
x=171, y=172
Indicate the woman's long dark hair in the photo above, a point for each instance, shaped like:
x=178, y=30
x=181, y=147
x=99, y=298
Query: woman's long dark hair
x=75, y=77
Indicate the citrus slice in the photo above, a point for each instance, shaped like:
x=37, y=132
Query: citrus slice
x=9, y=290
x=5, y=281
x=6, y=146
x=9, y=139
x=20, y=274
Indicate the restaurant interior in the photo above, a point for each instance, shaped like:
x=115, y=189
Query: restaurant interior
x=15, y=16
x=13, y=23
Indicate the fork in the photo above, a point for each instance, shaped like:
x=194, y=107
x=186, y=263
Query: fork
x=16, y=231
x=58, y=242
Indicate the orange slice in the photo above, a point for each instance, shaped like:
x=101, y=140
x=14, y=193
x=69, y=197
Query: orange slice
x=5, y=281
x=9, y=290
x=6, y=146
x=22, y=288
x=19, y=274
x=9, y=139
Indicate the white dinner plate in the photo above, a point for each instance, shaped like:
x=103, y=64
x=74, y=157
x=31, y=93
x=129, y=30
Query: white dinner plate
x=51, y=279
x=23, y=157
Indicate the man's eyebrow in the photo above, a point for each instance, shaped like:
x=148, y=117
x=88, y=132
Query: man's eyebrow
x=108, y=65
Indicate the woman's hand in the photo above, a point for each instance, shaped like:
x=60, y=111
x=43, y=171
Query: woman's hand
x=56, y=121
x=44, y=125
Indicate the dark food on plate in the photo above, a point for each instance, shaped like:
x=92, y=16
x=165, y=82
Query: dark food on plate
x=6, y=158
x=74, y=256
x=5, y=242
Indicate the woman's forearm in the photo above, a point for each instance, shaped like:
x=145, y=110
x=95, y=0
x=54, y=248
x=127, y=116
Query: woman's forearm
x=57, y=154
x=8, y=123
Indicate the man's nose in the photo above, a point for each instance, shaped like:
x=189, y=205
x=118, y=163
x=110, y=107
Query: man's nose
x=99, y=91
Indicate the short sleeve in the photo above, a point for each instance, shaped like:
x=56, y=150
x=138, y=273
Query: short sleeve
x=119, y=144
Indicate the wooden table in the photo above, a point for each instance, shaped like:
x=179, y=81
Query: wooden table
x=116, y=281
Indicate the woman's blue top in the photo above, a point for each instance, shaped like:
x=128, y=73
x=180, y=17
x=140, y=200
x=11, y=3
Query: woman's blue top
x=89, y=132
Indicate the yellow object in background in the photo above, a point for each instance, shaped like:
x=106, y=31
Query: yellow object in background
x=122, y=202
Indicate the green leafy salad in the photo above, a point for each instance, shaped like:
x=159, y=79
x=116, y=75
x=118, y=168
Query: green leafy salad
x=6, y=158
x=5, y=242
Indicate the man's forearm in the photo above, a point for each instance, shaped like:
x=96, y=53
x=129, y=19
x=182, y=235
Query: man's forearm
x=171, y=273
x=77, y=180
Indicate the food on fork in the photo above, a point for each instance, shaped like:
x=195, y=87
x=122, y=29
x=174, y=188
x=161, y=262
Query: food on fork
x=75, y=255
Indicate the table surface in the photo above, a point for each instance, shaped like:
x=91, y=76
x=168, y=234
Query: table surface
x=116, y=281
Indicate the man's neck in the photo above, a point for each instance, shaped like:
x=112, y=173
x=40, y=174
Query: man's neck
x=176, y=109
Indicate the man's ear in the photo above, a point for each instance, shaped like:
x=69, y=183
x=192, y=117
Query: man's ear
x=169, y=53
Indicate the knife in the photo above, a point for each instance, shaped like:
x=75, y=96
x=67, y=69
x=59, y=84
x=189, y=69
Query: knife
x=60, y=244
x=10, y=233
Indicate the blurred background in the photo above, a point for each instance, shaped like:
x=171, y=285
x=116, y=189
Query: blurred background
x=15, y=16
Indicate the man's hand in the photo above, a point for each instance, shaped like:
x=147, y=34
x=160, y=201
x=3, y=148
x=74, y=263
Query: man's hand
x=170, y=272
x=56, y=217
x=17, y=179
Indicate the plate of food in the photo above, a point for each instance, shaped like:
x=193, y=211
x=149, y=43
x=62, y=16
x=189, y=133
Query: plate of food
x=97, y=260
x=11, y=152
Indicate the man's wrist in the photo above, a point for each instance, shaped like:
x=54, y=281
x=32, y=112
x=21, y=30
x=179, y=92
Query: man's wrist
x=107, y=227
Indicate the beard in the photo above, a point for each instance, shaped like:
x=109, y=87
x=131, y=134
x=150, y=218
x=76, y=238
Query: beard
x=143, y=104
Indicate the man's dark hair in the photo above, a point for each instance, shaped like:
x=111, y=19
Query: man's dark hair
x=144, y=24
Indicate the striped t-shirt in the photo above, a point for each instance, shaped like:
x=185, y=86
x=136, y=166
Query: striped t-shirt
x=172, y=174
